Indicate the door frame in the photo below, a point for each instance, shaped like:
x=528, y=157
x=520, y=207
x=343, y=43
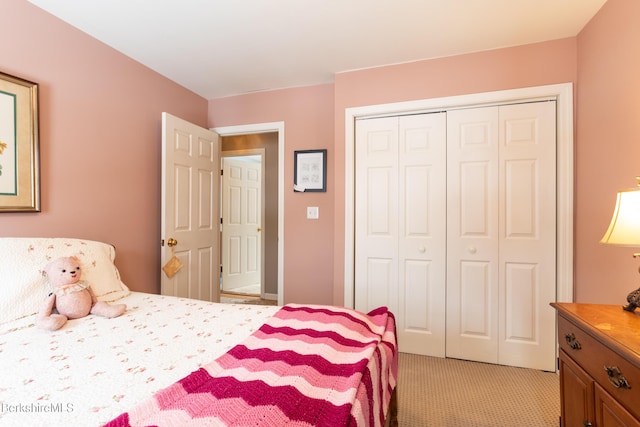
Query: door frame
x=243, y=153
x=264, y=128
x=562, y=93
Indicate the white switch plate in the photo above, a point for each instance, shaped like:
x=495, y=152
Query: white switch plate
x=313, y=212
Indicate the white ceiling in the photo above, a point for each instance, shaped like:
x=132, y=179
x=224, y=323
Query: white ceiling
x=220, y=48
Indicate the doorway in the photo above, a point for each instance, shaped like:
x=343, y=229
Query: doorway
x=242, y=216
x=268, y=137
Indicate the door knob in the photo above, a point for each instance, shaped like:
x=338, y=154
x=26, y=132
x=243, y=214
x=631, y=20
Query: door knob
x=172, y=242
x=422, y=249
x=259, y=229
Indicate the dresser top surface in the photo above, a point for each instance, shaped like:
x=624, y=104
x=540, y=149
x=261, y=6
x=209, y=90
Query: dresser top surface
x=607, y=323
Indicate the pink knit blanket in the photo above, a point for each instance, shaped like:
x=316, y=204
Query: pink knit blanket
x=306, y=366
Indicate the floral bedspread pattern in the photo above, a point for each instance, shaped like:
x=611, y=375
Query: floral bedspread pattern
x=306, y=366
x=93, y=369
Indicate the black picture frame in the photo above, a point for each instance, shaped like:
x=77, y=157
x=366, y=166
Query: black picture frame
x=310, y=170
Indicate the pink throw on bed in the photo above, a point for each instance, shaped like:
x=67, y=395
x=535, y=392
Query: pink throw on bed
x=306, y=366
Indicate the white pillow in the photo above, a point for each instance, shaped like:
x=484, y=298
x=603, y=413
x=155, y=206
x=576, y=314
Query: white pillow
x=23, y=286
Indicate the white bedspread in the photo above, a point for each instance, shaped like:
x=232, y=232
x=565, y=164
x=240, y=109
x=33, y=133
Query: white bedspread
x=93, y=369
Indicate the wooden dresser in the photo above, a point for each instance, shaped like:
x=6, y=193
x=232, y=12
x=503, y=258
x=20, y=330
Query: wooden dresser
x=599, y=365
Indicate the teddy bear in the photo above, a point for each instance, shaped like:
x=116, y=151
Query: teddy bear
x=71, y=297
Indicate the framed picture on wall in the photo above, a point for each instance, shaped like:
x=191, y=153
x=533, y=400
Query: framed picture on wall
x=19, y=145
x=310, y=170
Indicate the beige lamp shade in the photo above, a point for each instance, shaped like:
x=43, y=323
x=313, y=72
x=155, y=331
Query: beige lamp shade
x=624, y=229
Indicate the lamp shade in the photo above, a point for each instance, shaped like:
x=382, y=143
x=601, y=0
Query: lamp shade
x=624, y=229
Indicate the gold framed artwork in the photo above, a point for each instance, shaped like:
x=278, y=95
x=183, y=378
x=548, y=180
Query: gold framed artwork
x=19, y=145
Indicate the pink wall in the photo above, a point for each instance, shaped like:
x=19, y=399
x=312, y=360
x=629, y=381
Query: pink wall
x=307, y=114
x=608, y=147
x=530, y=65
x=100, y=129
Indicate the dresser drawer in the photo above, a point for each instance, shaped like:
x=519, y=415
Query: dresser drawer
x=597, y=359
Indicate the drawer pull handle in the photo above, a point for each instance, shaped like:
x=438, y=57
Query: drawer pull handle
x=616, y=378
x=572, y=341
x=587, y=424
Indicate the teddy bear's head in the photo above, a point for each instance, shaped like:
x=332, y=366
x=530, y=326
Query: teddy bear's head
x=63, y=271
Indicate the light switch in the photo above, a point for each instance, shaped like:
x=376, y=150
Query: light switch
x=313, y=212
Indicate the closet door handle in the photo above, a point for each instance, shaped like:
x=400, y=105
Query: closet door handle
x=422, y=249
x=472, y=249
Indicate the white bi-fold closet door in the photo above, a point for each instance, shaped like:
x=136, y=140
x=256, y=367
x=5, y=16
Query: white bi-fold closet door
x=455, y=230
x=400, y=233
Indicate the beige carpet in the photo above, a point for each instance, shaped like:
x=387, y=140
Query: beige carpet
x=435, y=392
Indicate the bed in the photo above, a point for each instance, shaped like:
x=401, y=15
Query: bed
x=176, y=361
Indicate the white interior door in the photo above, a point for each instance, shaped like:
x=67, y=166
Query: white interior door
x=472, y=234
x=467, y=207
x=190, y=213
x=376, y=214
x=242, y=223
x=501, y=241
x=400, y=225
x=528, y=234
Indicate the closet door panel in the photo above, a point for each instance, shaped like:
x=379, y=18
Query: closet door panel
x=376, y=256
x=418, y=285
x=401, y=225
x=472, y=234
x=474, y=198
x=521, y=282
x=528, y=235
x=380, y=282
x=422, y=233
x=521, y=211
